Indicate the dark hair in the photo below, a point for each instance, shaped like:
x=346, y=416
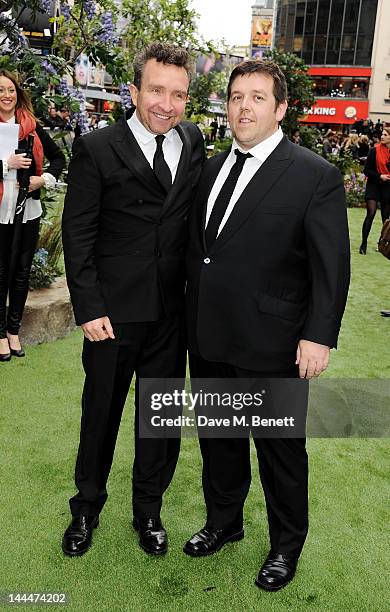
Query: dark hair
x=253, y=66
x=161, y=52
x=23, y=99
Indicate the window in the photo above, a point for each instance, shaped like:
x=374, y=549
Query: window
x=340, y=87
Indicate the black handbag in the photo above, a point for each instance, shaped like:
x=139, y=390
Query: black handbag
x=384, y=240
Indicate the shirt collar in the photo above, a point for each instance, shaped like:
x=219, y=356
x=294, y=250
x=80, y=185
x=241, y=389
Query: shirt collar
x=264, y=148
x=142, y=134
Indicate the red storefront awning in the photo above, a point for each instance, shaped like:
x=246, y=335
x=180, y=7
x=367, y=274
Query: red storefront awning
x=351, y=71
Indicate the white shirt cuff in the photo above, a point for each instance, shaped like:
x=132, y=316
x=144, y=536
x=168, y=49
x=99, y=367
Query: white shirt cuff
x=5, y=167
x=50, y=180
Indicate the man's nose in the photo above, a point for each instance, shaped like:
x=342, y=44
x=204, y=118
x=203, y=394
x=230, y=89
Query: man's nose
x=244, y=103
x=166, y=103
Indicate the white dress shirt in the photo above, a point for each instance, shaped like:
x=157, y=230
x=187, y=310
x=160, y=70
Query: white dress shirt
x=33, y=208
x=260, y=153
x=172, y=144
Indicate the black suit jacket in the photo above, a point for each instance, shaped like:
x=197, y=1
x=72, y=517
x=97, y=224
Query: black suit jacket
x=278, y=271
x=124, y=237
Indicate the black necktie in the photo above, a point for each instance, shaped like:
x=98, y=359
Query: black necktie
x=224, y=197
x=160, y=166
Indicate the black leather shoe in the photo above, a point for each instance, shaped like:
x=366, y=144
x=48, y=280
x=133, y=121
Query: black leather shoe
x=152, y=535
x=208, y=541
x=5, y=356
x=385, y=313
x=277, y=571
x=78, y=537
x=18, y=352
x=363, y=249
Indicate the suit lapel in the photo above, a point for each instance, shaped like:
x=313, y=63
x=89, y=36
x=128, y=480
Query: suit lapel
x=127, y=148
x=256, y=190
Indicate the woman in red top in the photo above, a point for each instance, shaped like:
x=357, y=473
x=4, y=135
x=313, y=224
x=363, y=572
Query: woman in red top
x=377, y=171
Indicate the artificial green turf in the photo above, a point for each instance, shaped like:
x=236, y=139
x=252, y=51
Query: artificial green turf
x=343, y=566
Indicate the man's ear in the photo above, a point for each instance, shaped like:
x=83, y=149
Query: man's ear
x=134, y=94
x=281, y=110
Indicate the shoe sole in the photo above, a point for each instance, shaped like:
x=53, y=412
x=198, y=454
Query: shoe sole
x=236, y=537
x=155, y=553
x=272, y=589
x=72, y=553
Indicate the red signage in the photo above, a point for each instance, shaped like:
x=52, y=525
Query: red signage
x=351, y=71
x=336, y=111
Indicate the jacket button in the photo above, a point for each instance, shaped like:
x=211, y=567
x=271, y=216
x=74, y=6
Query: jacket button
x=207, y=260
x=140, y=201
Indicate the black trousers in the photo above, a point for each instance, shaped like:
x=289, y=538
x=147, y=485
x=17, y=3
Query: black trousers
x=150, y=350
x=18, y=290
x=283, y=468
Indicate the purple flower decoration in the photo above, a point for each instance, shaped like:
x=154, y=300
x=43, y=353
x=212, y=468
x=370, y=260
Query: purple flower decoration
x=124, y=93
x=65, y=11
x=90, y=8
x=107, y=34
x=46, y=6
x=46, y=65
x=64, y=89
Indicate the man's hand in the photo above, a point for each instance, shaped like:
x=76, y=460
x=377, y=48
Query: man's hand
x=312, y=358
x=98, y=329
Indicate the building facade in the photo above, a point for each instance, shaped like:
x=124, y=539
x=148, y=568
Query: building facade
x=379, y=93
x=346, y=44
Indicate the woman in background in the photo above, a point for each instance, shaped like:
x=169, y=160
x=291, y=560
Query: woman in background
x=15, y=107
x=377, y=171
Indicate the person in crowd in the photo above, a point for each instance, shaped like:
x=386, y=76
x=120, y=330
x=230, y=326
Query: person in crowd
x=363, y=148
x=94, y=122
x=351, y=146
x=222, y=130
x=335, y=144
x=367, y=128
x=214, y=130
x=327, y=143
x=124, y=233
x=378, y=128
x=296, y=138
x=15, y=107
x=377, y=171
x=268, y=276
x=66, y=122
x=103, y=122
x=53, y=120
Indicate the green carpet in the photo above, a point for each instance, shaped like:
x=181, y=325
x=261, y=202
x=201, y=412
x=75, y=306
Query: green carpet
x=343, y=566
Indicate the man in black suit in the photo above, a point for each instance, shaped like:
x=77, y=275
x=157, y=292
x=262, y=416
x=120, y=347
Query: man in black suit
x=124, y=235
x=268, y=275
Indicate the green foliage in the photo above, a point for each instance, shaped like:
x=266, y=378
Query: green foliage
x=159, y=20
x=202, y=87
x=299, y=87
x=43, y=273
x=82, y=34
x=310, y=136
x=78, y=32
x=50, y=239
x=344, y=162
x=221, y=145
